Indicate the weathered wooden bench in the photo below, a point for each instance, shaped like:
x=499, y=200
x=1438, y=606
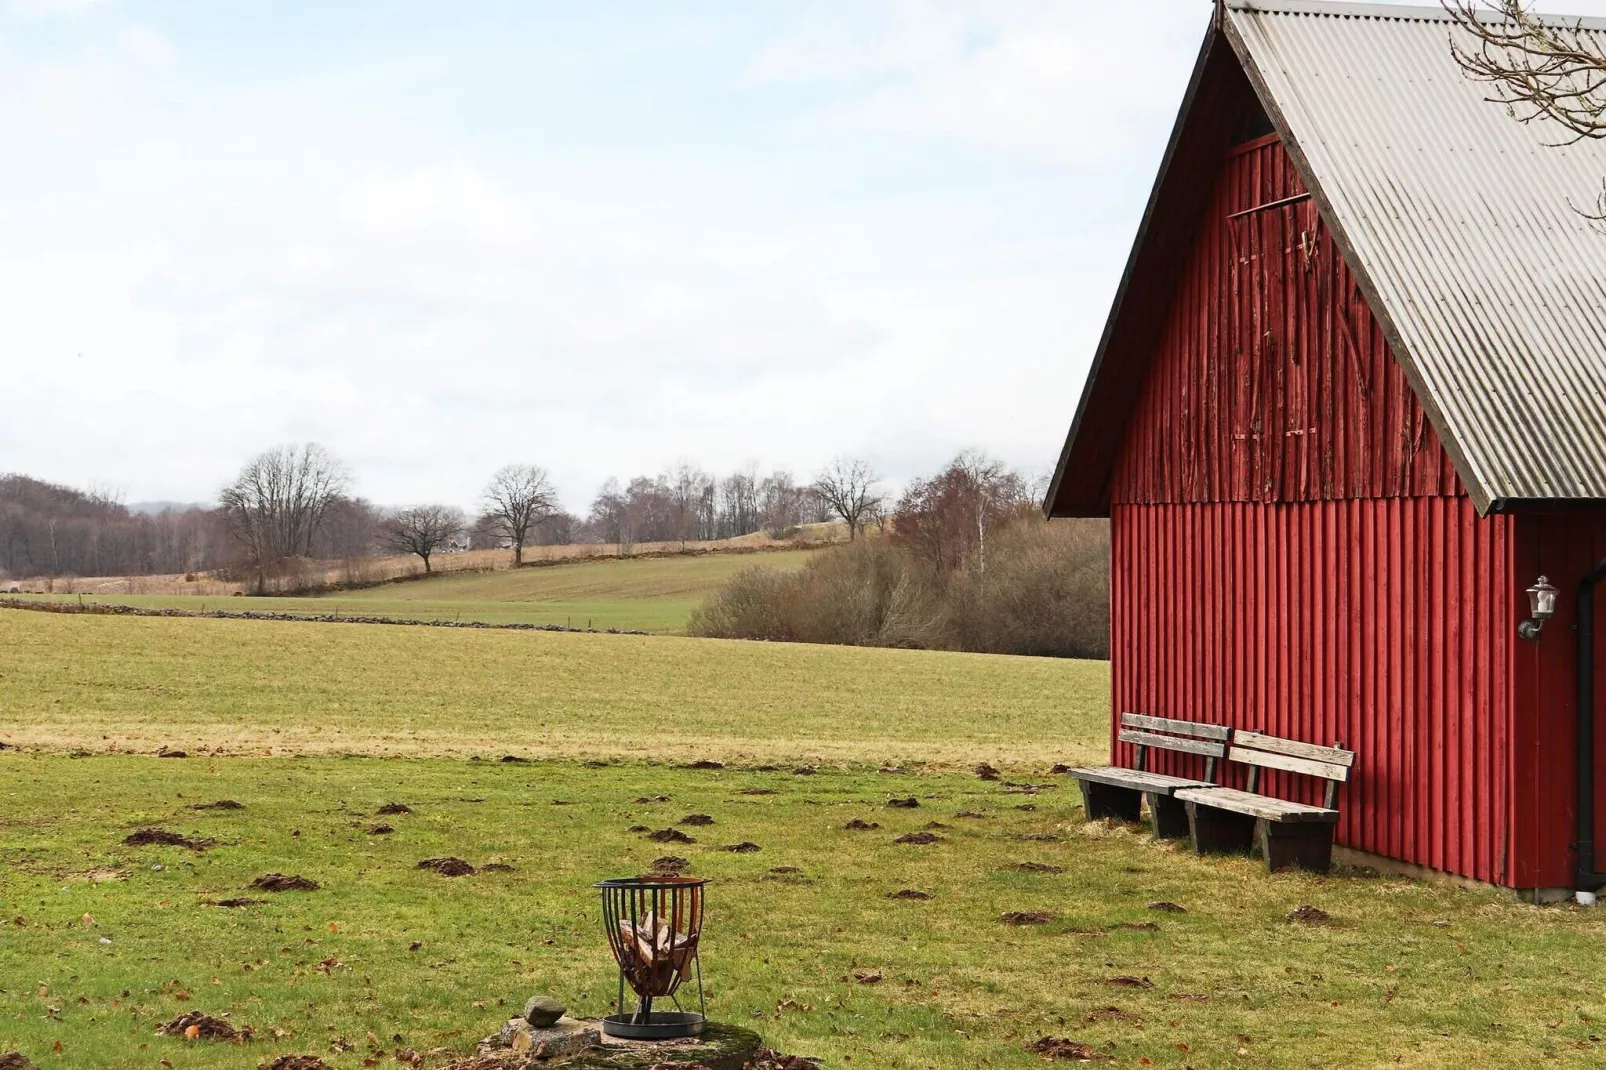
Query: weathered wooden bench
x=1118, y=792
x=1288, y=833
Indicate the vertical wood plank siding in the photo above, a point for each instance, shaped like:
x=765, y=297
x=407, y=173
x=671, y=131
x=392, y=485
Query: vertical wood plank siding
x=1272, y=380
x=1383, y=623
x=1293, y=552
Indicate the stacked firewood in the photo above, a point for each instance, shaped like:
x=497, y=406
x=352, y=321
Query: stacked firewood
x=657, y=954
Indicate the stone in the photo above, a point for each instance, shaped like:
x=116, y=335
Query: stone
x=543, y=1012
x=566, y=1038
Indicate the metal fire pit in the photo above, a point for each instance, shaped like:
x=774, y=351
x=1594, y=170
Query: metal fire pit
x=654, y=923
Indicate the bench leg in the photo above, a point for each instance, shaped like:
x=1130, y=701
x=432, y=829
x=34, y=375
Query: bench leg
x=1305, y=844
x=1170, y=816
x=1106, y=800
x=1219, y=831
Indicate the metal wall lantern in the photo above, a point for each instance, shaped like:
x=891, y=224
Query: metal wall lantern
x=1541, y=607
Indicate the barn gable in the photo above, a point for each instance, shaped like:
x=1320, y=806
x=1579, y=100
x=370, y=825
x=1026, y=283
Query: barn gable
x=1451, y=225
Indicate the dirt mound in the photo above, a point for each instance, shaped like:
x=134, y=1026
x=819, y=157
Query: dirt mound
x=232, y=903
x=1136, y=926
x=167, y=752
x=1168, y=907
x=380, y=829
x=669, y=864
x=1027, y=917
x=221, y=804
x=746, y=847
x=198, y=1025
x=295, y=1062
x=652, y=798
x=393, y=808
x=514, y=759
x=918, y=838
x=904, y=804
x=1129, y=982
x=279, y=882
x=496, y=867
x=697, y=820
x=1037, y=867
x=14, y=1060
x=1060, y=767
x=860, y=826
x=163, y=838
x=1027, y=807
x=987, y=772
x=1066, y=1048
x=805, y=770
x=1111, y=1014
x=1310, y=915
x=704, y=764
x=970, y=813
x=786, y=869
x=670, y=836
x=1038, y=837
x=448, y=866
x=908, y=893
x=758, y=791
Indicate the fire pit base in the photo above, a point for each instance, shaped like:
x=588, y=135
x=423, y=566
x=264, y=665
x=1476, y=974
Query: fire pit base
x=660, y=1025
x=720, y=1047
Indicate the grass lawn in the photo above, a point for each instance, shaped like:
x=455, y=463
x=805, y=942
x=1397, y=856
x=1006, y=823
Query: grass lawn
x=632, y=594
x=821, y=961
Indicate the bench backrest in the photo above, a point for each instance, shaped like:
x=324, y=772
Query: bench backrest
x=1261, y=751
x=1166, y=733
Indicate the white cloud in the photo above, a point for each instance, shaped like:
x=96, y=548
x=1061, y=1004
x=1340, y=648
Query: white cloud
x=52, y=9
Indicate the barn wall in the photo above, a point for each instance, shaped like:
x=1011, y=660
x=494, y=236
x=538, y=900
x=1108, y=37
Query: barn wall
x=1272, y=380
x=1563, y=547
x=1385, y=623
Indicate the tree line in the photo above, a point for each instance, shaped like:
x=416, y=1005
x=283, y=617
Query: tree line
x=293, y=503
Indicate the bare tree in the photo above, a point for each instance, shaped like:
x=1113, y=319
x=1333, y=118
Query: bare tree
x=1538, y=68
x=518, y=497
x=848, y=488
x=277, y=502
x=422, y=530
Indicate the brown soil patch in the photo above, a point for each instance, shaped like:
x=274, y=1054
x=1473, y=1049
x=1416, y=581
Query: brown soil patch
x=920, y=838
x=14, y=1060
x=1168, y=907
x=205, y=1027
x=279, y=882
x=394, y=808
x=381, y=830
x=746, y=847
x=1129, y=982
x=1310, y=915
x=861, y=826
x=908, y=893
x=1038, y=837
x=447, y=867
x=1111, y=1014
x=969, y=813
x=637, y=828
x=652, y=798
x=869, y=978
x=1027, y=917
x=163, y=838
x=758, y=791
x=937, y=826
x=496, y=867
x=987, y=772
x=805, y=770
x=1136, y=926
x=296, y=1062
x=1060, y=767
x=786, y=869
x=904, y=804
x=697, y=820
x=1027, y=808
x=514, y=759
x=1066, y=1048
x=704, y=764
x=670, y=836
x=669, y=864
x=232, y=903
x=1038, y=867
x=221, y=804
x=166, y=752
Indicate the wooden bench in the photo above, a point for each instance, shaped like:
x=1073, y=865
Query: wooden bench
x=1118, y=792
x=1288, y=833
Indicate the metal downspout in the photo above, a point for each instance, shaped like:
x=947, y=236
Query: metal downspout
x=1587, y=879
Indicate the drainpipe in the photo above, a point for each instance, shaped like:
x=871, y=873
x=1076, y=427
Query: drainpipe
x=1587, y=879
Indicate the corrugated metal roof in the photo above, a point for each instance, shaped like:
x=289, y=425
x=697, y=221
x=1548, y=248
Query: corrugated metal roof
x=1463, y=225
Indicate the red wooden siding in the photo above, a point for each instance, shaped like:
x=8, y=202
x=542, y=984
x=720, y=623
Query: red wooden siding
x=1272, y=380
x=1384, y=623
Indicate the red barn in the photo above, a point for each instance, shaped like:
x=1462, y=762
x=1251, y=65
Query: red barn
x=1349, y=405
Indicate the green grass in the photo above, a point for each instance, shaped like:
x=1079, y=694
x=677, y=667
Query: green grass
x=633, y=594
x=1406, y=973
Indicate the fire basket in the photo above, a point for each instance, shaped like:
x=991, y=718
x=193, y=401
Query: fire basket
x=653, y=925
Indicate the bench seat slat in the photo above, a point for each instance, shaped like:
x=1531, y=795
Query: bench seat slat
x=1295, y=748
x=1136, y=779
x=1243, y=802
x=1182, y=728
x=1288, y=762
x=1208, y=748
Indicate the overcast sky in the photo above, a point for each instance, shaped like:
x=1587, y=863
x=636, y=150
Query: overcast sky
x=599, y=236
